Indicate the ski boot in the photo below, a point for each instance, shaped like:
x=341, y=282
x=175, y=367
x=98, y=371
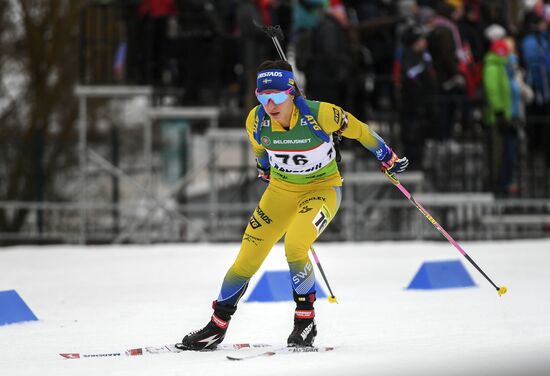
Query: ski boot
x=305, y=329
x=212, y=334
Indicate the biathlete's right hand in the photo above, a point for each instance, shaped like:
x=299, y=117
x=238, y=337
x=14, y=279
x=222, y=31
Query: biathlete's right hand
x=263, y=174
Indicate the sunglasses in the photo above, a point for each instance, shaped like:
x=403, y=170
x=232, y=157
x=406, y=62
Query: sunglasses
x=277, y=97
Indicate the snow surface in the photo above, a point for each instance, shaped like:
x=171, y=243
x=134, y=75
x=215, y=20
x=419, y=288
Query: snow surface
x=105, y=299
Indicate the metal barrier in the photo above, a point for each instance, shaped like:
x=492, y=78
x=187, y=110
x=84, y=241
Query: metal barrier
x=371, y=209
x=464, y=216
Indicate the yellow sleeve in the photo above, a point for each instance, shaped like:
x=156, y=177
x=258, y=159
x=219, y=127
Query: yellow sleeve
x=252, y=123
x=331, y=118
x=357, y=130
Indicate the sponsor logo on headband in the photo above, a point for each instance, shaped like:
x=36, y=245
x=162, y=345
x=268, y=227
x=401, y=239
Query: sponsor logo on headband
x=270, y=74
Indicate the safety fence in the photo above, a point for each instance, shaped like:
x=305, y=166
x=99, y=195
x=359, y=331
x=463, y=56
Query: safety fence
x=511, y=161
x=214, y=199
x=464, y=216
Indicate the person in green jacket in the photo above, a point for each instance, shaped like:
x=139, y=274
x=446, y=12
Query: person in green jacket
x=498, y=109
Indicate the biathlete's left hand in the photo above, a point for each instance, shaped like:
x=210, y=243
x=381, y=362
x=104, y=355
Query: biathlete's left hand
x=395, y=165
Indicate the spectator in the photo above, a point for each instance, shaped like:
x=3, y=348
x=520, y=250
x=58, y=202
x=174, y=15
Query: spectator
x=535, y=6
x=281, y=14
x=418, y=88
x=329, y=62
x=377, y=21
x=494, y=32
x=535, y=49
x=199, y=47
x=408, y=11
x=471, y=32
x=306, y=14
x=498, y=113
x=521, y=94
x=445, y=46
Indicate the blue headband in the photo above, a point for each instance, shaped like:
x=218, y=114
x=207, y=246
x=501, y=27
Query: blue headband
x=274, y=79
x=277, y=79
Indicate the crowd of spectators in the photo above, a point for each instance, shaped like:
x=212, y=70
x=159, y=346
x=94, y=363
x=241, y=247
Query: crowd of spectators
x=458, y=57
x=443, y=64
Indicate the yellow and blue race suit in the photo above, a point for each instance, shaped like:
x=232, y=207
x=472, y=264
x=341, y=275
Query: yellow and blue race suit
x=303, y=195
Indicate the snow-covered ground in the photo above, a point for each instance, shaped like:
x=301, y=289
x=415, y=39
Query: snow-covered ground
x=102, y=299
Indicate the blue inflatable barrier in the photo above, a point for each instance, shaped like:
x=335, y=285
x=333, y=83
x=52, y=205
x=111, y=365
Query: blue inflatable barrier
x=441, y=275
x=276, y=286
x=13, y=309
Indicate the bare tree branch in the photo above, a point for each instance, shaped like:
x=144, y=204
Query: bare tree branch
x=49, y=59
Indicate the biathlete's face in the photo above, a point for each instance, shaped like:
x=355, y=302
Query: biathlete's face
x=278, y=104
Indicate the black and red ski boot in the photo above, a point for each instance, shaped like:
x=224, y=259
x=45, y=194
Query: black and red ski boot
x=305, y=329
x=212, y=334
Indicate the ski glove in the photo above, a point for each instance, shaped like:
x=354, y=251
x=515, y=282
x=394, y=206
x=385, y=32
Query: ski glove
x=395, y=165
x=263, y=173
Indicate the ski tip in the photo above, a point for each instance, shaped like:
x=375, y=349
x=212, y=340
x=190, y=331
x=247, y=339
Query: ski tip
x=70, y=355
x=232, y=358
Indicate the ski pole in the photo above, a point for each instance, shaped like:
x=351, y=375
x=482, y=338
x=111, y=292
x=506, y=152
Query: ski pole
x=501, y=290
x=331, y=298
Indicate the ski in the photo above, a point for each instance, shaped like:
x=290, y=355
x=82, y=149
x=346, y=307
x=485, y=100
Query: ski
x=152, y=350
x=282, y=350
